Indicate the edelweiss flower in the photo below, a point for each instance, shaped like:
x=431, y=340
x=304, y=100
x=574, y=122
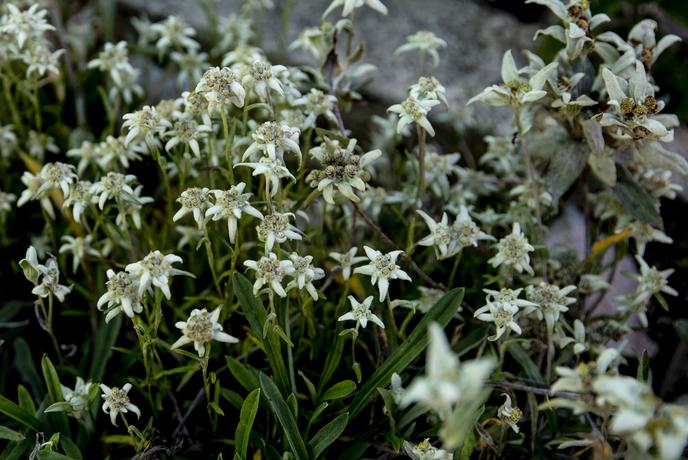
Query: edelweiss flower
x=272, y=169
x=274, y=139
x=304, y=274
x=174, y=33
x=270, y=271
x=451, y=239
x=76, y=398
x=317, y=103
x=275, y=228
x=261, y=76
x=33, y=184
x=510, y=415
x=445, y=382
x=113, y=149
x=650, y=282
x=80, y=247
x=426, y=42
x=113, y=186
x=191, y=64
x=429, y=88
x=221, y=87
x=116, y=401
x=194, y=200
x=347, y=260
x=130, y=206
x=381, y=269
x=114, y=59
x=348, y=6
x=643, y=233
x=8, y=141
x=50, y=281
x=201, y=328
x=633, y=109
x=514, y=90
x=187, y=131
x=155, y=270
x=57, y=175
x=360, y=312
x=550, y=300
x=413, y=110
x=578, y=24
x=6, y=200
x=122, y=295
x=144, y=124
x=25, y=26
x=41, y=61
x=425, y=451
x=231, y=204
x=501, y=308
x=512, y=250
x=342, y=170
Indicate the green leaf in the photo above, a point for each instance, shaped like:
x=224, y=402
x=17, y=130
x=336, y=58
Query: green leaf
x=311, y=388
x=284, y=416
x=636, y=201
x=49, y=455
x=26, y=367
x=25, y=400
x=10, y=435
x=19, y=414
x=293, y=405
x=216, y=408
x=408, y=351
x=257, y=316
x=242, y=374
x=328, y=434
x=58, y=407
x=332, y=362
x=466, y=451
x=70, y=448
x=52, y=381
x=339, y=390
x=644, y=367
x=662, y=301
x=316, y=413
x=177, y=370
x=523, y=359
x=105, y=340
x=246, y=417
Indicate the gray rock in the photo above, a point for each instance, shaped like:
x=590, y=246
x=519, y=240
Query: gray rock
x=477, y=36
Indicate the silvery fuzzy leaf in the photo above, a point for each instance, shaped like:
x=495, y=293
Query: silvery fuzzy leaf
x=636, y=201
x=565, y=166
x=602, y=164
x=556, y=32
x=669, y=120
x=592, y=131
x=643, y=32
x=555, y=6
x=638, y=87
x=613, y=85
x=598, y=20
x=538, y=80
x=607, y=52
x=655, y=155
x=615, y=39
x=509, y=69
x=624, y=63
x=665, y=43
